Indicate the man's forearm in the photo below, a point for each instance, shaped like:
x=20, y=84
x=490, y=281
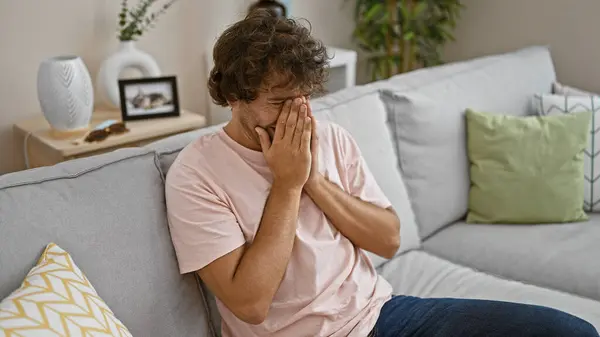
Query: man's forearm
x=368, y=226
x=264, y=262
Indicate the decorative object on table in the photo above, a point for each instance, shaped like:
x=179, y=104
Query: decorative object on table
x=534, y=184
x=133, y=23
x=402, y=35
x=106, y=129
x=146, y=98
x=57, y=299
x=552, y=105
x=65, y=93
x=272, y=5
x=128, y=56
x=101, y=131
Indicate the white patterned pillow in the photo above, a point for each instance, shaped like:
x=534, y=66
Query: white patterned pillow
x=555, y=105
x=565, y=90
x=56, y=299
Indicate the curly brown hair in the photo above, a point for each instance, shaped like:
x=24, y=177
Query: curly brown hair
x=261, y=49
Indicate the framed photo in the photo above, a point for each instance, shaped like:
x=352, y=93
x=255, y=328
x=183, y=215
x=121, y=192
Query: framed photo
x=149, y=97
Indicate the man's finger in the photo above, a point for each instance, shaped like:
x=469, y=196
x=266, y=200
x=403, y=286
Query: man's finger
x=263, y=136
x=292, y=119
x=283, y=116
x=305, y=144
x=300, y=126
x=314, y=137
x=310, y=114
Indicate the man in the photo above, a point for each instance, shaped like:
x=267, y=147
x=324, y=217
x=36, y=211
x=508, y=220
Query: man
x=274, y=211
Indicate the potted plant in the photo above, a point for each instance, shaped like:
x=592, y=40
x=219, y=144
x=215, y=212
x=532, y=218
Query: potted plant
x=402, y=35
x=133, y=22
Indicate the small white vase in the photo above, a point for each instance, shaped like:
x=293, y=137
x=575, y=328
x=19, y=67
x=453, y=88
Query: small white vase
x=127, y=56
x=65, y=93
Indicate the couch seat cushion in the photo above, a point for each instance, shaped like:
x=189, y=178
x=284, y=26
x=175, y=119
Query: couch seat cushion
x=558, y=256
x=418, y=273
x=108, y=212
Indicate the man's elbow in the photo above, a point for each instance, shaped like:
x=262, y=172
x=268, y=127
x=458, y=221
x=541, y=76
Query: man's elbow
x=252, y=317
x=392, y=244
x=391, y=248
x=252, y=312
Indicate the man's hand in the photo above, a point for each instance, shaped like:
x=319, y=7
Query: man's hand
x=289, y=153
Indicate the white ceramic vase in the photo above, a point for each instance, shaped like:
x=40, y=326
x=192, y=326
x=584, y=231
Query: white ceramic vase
x=127, y=56
x=65, y=93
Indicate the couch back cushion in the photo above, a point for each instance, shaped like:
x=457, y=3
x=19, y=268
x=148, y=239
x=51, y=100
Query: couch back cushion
x=168, y=148
x=426, y=112
x=108, y=212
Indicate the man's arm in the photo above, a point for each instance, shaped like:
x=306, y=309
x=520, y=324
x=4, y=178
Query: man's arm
x=368, y=226
x=247, y=279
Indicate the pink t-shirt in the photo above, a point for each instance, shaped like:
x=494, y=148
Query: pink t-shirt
x=216, y=191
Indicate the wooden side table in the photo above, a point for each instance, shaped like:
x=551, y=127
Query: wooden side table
x=43, y=147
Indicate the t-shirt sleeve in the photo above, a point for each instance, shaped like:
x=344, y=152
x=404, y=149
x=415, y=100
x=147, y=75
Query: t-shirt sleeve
x=203, y=227
x=361, y=182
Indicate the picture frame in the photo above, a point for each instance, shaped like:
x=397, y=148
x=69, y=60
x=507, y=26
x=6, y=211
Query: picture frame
x=149, y=97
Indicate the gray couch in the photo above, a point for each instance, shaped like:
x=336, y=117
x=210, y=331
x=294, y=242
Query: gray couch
x=108, y=211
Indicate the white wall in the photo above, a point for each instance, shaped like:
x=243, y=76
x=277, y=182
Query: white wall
x=569, y=27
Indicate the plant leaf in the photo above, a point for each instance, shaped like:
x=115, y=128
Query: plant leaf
x=419, y=9
x=376, y=9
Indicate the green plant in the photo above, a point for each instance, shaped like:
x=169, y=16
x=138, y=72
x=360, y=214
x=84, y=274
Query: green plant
x=134, y=21
x=402, y=35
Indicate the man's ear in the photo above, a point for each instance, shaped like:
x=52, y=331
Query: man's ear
x=235, y=105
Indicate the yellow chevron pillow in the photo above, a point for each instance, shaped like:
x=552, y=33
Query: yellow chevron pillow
x=56, y=299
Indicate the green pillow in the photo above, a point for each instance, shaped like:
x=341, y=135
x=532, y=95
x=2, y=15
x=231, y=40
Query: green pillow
x=526, y=169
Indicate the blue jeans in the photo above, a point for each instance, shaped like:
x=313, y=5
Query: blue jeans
x=447, y=317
